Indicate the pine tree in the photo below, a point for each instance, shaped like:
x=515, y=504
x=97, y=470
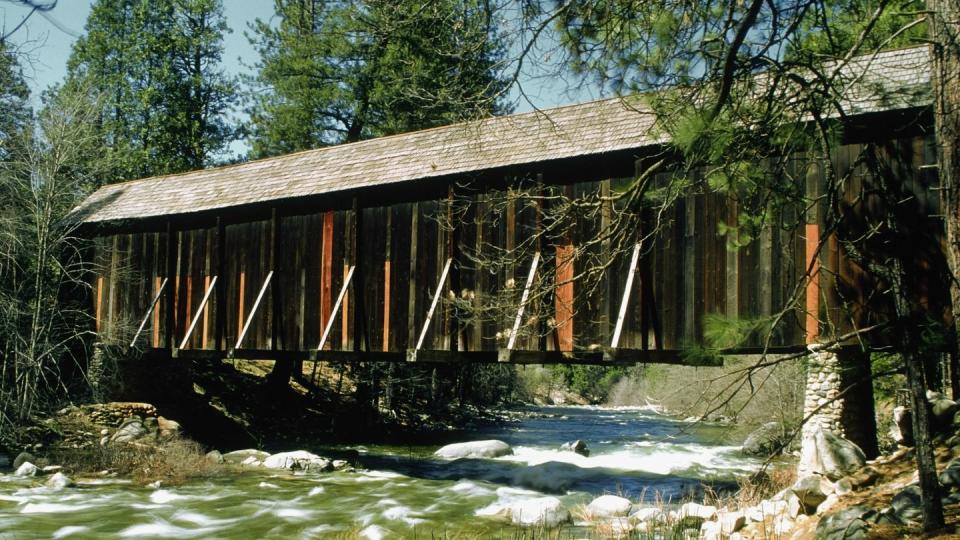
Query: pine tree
x=15, y=111
x=333, y=72
x=156, y=64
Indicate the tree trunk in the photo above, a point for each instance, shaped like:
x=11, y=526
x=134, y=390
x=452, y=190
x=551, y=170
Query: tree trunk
x=910, y=350
x=944, y=28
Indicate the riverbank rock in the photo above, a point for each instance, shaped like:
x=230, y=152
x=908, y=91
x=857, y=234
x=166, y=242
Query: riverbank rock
x=901, y=429
x=828, y=454
x=648, y=515
x=167, y=428
x=298, y=460
x=907, y=505
x=849, y=523
x=215, y=457
x=26, y=469
x=810, y=493
x=764, y=441
x=541, y=512
x=576, y=446
x=698, y=511
x=59, y=481
x=237, y=457
x=609, y=506
x=131, y=430
x=475, y=449
x=766, y=509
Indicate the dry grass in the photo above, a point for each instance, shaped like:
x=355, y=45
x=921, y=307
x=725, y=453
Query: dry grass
x=172, y=462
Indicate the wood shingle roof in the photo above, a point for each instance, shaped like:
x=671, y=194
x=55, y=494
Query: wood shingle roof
x=593, y=128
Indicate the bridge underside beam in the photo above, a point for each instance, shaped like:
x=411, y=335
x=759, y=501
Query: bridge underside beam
x=608, y=357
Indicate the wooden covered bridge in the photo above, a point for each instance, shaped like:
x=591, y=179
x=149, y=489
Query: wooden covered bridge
x=376, y=250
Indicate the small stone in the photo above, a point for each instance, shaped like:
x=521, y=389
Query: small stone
x=215, y=457
x=51, y=469
x=576, y=446
x=699, y=511
x=651, y=514
x=155, y=484
x=731, y=522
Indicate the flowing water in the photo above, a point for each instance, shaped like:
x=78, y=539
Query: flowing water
x=401, y=492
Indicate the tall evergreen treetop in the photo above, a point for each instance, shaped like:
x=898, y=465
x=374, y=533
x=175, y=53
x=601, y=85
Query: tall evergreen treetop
x=165, y=97
x=14, y=95
x=332, y=72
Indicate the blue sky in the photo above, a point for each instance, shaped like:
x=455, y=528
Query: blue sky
x=46, y=39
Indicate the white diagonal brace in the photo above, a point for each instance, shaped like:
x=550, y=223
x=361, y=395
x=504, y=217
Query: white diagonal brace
x=253, y=310
x=523, y=301
x=196, y=318
x=622, y=315
x=433, y=304
x=336, y=308
x=146, y=317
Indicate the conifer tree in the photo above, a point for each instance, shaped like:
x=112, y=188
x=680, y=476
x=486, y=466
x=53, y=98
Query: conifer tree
x=332, y=72
x=165, y=96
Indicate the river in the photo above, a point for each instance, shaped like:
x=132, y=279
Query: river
x=400, y=492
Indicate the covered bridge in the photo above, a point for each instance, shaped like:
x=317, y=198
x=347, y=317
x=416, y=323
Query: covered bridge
x=386, y=249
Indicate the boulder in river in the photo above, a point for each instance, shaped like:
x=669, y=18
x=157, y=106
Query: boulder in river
x=238, y=456
x=475, y=449
x=215, y=457
x=609, y=506
x=541, y=511
x=59, y=481
x=764, y=441
x=26, y=469
x=576, y=446
x=297, y=460
x=23, y=457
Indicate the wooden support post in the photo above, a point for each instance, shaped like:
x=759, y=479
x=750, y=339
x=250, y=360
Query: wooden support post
x=512, y=339
x=361, y=334
x=276, y=308
x=99, y=307
x=812, y=319
x=453, y=238
x=221, y=312
x=622, y=314
x=386, y=280
x=563, y=297
x=412, y=286
x=433, y=307
x=253, y=310
x=200, y=311
x=169, y=317
x=143, y=323
x=326, y=267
